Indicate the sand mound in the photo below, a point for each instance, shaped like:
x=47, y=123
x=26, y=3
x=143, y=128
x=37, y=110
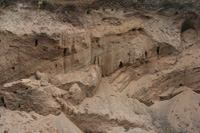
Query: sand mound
x=181, y=112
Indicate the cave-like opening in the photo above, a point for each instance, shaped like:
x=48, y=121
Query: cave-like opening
x=120, y=64
x=65, y=51
x=187, y=25
x=158, y=50
x=36, y=42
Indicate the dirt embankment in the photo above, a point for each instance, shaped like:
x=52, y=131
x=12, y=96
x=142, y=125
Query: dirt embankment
x=109, y=66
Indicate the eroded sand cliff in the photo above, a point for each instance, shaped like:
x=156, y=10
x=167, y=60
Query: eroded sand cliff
x=108, y=66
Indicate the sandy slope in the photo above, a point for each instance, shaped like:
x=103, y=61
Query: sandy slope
x=181, y=112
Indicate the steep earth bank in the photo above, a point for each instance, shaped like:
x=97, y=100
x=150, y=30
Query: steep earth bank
x=103, y=67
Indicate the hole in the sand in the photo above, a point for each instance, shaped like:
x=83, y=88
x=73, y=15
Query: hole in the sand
x=120, y=64
x=56, y=65
x=19, y=106
x=65, y=52
x=146, y=54
x=187, y=25
x=13, y=68
x=140, y=29
x=15, y=92
x=158, y=50
x=36, y=42
x=26, y=88
x=88, y=12
x=133, y=29
x=3, y=102
x=111, y=9
x=181, y=85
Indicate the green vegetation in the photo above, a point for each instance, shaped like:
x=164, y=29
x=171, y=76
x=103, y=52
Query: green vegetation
x=39, y=4
x=128, y=95
x=2, y=2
